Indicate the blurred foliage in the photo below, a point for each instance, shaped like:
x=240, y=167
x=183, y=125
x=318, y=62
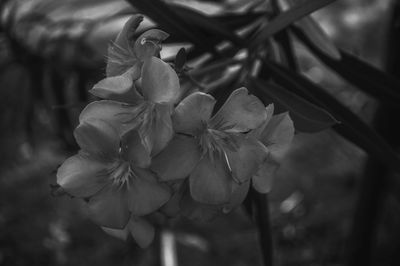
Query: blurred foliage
x=51, y=54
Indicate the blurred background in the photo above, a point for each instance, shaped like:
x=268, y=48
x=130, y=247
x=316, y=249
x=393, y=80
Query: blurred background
x=52, y=52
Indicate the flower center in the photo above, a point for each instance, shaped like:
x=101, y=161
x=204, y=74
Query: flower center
x=121, y=174
x=215, y=142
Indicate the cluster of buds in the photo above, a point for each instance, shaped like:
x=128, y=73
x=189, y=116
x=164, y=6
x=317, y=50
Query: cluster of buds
x=145, y=150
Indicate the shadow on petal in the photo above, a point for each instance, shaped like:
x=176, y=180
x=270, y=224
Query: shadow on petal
x=210, y=182
x=145, y=194
x=142, y=231
x=194, y=210
x=178, y=159
x=109, y=208
x=82, y=176
x=239, y=193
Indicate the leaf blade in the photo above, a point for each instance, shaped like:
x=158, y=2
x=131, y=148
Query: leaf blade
x=286, y=18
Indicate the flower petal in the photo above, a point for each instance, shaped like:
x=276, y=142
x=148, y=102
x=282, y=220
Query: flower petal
x=119, y=88
x=118, y=233
x=125, y=37
x=262, y=180
x=171, y=208
x=157, y=130
x=122, y=117
x=134, y=151
x=256, y=133
x=109, y=207
x=246, y=159
x=192, y=113
x=210, y=181
x=142, y=231
x=145, y=194
x=240, y=113
x=121, y=55
x=149, y=43
x=178, y=159
x=278, y=135
x=82, y=176
x=194, y=210
x=239, y=193
x=160, y=83
x=98, y=138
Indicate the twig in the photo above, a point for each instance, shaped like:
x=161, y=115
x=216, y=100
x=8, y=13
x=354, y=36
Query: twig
x=261, y=203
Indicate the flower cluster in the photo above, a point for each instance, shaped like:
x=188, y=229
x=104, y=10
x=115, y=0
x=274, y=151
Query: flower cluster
x=144, y=149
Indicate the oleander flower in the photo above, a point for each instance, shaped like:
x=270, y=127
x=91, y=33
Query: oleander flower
x=276, y=133
x=127, y=53
x=213, y=151
x=148, y=111
x=110, y=173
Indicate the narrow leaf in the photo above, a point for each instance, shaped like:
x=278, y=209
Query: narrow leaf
x=286, y=18
x=306, y=116
x=315, y=33
x=208, y=24
x=351, y=127
x=371, y=80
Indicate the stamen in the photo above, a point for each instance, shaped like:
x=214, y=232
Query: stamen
x=121, y=174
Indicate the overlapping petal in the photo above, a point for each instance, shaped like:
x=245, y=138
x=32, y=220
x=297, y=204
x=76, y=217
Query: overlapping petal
x=239, y=193
x=210, y=181
x=246, y=159
x=194, y=210
x=240, y=113
x=262, y=180
x=121, y=54
x=82, y=176
x=256, y=133
x=98, y=138
x=142, y=231
x=149, y=43
x=109, y=207
x=278, y=135
x=178, y=159
x=118, y=233
x=133, y=150
x=160, y=83
x=121, y=116
x=157, y=130
x=139, y=228
x=145, y=194
x=119, y=88
x=192, y=113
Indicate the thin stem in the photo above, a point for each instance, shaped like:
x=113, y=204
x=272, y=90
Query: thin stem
x=264, y=226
